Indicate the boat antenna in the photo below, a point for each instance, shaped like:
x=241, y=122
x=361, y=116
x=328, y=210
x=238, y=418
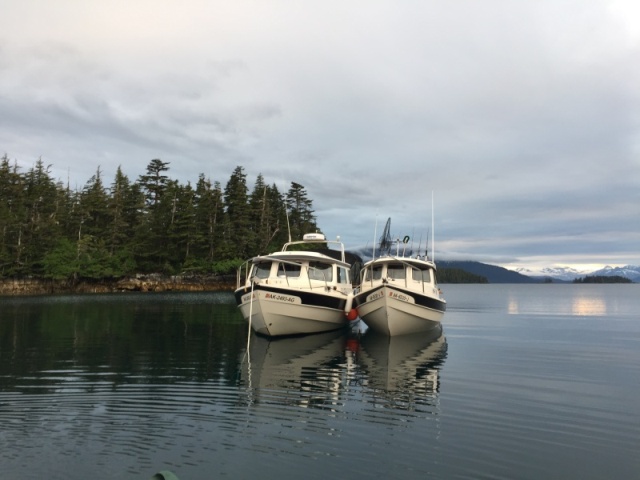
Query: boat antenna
x=433, y=237
x=375, y=234
x=426, y=249
x=286, y=211
x=413, y=234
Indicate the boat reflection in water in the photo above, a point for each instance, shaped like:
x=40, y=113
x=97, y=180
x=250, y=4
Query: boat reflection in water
x=305, y=371
x=402, y=370
x=324, y=370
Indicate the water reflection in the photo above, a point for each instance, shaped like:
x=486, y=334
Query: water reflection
x=589, y=306
x=131, y=381
x=310, y=366
x=405, y=370
x=323, y=370
x=100, y=343
x=126, y=386
x=572, y=300
x=513, y=308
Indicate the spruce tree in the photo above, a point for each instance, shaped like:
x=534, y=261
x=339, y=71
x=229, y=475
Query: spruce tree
x=209, y=214
x=37, y=224
x=151, y=240
x=301, y=215
x=11, y=208
x=238, y=234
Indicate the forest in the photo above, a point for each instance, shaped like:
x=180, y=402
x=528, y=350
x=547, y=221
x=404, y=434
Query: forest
x=602, y=279
x=151, y=224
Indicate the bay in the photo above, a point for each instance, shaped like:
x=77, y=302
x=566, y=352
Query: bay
x=524, y=381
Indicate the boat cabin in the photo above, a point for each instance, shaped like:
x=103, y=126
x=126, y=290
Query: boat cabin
x=403, y=271
x=296, y=269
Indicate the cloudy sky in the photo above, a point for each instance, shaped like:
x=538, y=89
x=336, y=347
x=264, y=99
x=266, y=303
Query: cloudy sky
x=521, y=117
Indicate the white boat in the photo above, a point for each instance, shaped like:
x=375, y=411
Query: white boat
x=399, y=294
x=296, y=291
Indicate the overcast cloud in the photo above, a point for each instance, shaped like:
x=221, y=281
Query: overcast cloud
x=522, y=117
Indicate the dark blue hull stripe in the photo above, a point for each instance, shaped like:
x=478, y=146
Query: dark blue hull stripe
x=307, y=298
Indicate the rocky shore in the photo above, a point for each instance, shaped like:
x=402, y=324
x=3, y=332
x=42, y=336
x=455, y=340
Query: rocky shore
x=138, y=283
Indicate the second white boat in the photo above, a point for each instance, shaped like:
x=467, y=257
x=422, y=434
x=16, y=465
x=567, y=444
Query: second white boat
x=400, y=295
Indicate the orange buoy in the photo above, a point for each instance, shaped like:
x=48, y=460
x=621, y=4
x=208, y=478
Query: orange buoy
x=352, y=315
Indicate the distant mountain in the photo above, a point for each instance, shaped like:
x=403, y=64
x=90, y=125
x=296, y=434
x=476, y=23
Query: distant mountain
x=632, y=272
x=496, y=274
x=564, y=274
x=568, y=274
x=492, y=273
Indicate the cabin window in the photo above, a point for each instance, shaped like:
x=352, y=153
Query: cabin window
x=289, y=270
x=262, y=269
x=377, y=273
x=396, y=272
x=321, y=271
x=343, y=275
x=423, y=275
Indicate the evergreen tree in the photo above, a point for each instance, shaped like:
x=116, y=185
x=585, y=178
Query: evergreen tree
x=258, y=213
x=154, y=183
x=238, y=234
x=278, y=224
x=11, y=213
x=153, y=225
x=216, y=225
x=94, y=206
x=301, y=215
x=182, y=233
x=125, y=211
x=67, y=204
x=151, y=241
x=61, y=263
x=268, y=217
x=209, y=214
x=39, y=227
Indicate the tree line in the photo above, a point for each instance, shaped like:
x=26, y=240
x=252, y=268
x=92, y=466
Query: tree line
x=458, y=275
x=602, y=279
x=153, y=224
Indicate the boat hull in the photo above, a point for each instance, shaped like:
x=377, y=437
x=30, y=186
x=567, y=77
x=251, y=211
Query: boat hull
x=395, y=311
x=278, y=312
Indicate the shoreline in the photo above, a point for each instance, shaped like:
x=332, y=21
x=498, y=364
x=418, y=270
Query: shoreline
x=137, y=283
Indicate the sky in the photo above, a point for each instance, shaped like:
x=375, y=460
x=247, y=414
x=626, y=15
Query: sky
x=520, y=119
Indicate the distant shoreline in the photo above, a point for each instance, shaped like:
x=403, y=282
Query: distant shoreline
x=138, y=283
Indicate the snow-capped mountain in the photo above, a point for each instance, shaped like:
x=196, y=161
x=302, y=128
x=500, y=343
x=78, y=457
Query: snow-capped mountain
x=568, y=274
x=632, y=272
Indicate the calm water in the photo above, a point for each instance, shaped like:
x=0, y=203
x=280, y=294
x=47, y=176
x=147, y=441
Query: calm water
x=527, y=382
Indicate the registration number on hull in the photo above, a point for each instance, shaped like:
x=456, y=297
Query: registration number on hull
x=401, y=297
x=277, y=297
x=375, y=296
x=272, y=297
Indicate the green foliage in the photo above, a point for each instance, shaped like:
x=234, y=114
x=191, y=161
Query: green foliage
x=152, y=225
x=225, y=267
x=603, y=279
x=61, y=262
x=301, y=216
x=457, y=275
